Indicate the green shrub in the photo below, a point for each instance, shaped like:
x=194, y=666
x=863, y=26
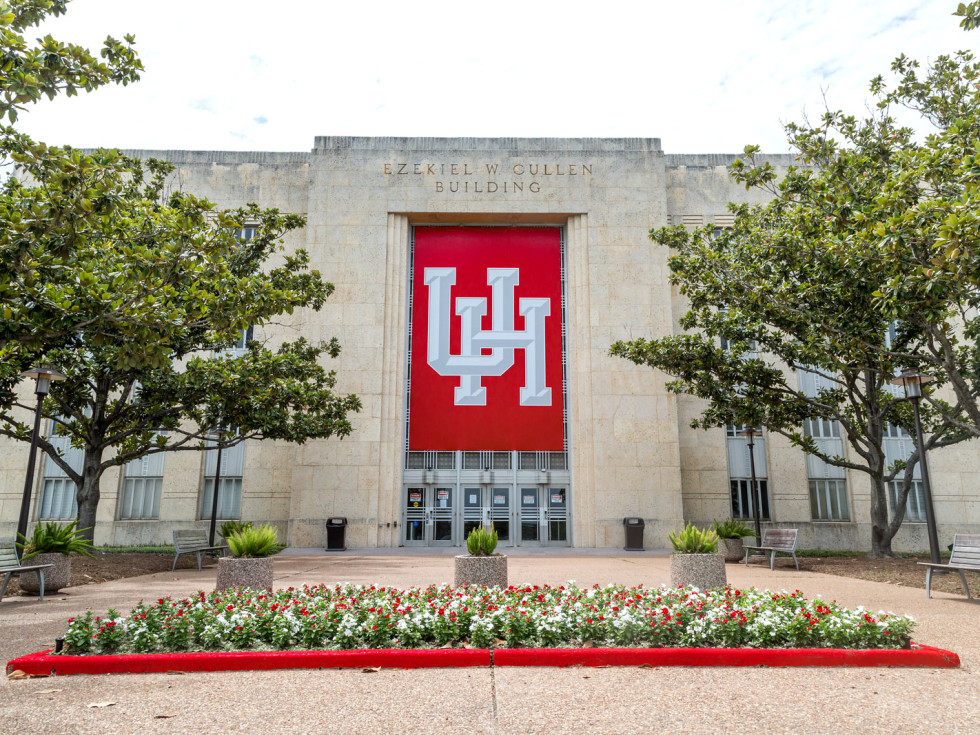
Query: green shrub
x=255, y=541
x=230, y=527
x=693, y=540
x=481, y=542
x=53, y=538
x=731, y=529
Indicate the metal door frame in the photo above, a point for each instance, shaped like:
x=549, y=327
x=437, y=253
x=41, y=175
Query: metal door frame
x=428, y=514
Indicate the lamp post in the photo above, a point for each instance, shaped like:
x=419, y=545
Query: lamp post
x=219, y=434
x=912, y=382
x=44, y=375
x=750, y=432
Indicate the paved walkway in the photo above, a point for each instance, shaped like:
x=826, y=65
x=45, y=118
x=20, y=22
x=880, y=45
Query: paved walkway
x=506, y=700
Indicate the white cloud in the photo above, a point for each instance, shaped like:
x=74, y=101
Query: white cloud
x=706, y=77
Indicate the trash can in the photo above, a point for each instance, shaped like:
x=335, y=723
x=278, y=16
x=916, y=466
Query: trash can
x=634, y=533
x=336, y=533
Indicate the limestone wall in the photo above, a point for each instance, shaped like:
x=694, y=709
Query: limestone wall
x=631, y=447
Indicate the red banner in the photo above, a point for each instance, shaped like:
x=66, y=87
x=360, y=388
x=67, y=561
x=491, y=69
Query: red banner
x=486, y=339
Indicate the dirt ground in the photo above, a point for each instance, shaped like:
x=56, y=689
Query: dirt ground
x=901, y=571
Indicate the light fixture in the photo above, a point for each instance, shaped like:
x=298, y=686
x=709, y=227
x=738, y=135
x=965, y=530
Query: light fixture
x=44, y=375
x=912, y=381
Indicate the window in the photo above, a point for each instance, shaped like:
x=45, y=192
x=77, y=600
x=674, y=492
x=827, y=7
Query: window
x=240, y=346
x=828, y=500
x=541, y=461
x=740, y=464
x=486, y=460
x=58, y=501
x=827, y=482
x=743, y=502
x=430, y=460
x=142, y=485
x=915, y=505
x=894, y=431
x=230, y=487
x=821, y=429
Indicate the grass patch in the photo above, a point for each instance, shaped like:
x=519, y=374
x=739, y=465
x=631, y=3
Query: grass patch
x=851, y=554
x=134, y=549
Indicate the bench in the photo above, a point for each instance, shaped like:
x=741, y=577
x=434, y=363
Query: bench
x=10, y=565
x=965, y=556
x=776, y=540
x=192, y=541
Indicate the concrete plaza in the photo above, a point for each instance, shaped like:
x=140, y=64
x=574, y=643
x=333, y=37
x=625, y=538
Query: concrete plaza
x=501, y=700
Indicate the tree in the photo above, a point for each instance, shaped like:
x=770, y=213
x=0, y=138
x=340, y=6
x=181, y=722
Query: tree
x=872, y=229
x=124, y=400
x=45, y=237
x=922, y=222
x=29, y=73
x=768, y=299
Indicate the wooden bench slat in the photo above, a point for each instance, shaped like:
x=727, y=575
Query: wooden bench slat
x=776, y=540
x=192, y=541
x=964, y=557
x=10, y=565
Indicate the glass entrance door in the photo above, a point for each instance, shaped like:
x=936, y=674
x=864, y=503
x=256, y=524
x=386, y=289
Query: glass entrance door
x=544, y=516
x=531, y=516
x=430, y=516
x=483, y=506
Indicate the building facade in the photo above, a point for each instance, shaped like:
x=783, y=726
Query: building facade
x=479, y=284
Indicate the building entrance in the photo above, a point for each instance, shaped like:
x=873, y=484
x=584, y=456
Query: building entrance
x=486, y=368
x=430, y=517
x=442, y=514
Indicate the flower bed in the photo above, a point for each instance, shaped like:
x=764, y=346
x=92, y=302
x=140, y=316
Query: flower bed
x=359, y=617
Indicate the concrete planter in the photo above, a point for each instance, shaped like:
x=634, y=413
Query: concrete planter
x=54, y=579
x=489, y=571
x=253, y=572
x=704, y=571
x=733, y=549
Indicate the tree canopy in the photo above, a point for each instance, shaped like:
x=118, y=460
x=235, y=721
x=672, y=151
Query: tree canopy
x=127, y=397
x=862, y=263
x=48, y=228
x=134, y=290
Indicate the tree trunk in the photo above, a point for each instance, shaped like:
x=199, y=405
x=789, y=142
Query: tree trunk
x=87, y=492
x=881, y=532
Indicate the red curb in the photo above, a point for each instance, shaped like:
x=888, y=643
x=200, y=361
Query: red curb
x=917, y=656
x=43, y=664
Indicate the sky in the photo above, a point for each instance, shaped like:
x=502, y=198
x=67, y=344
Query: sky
x=709, y=76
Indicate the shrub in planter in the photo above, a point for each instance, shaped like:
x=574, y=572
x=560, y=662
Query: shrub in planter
x=695, y=561
x=251, y=564
x=230, y=527
x=481, y=566
x=52, y=543
x=730, y=534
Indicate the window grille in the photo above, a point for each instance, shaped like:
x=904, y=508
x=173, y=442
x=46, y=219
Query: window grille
x=229, y=498
x=230, y=489
x=915, y=504
x=142, y=485
x=828, y=500
x=58, y=501
x=743, y=504
x=821, y=428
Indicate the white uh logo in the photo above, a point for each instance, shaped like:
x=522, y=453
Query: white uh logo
x=470, y=365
